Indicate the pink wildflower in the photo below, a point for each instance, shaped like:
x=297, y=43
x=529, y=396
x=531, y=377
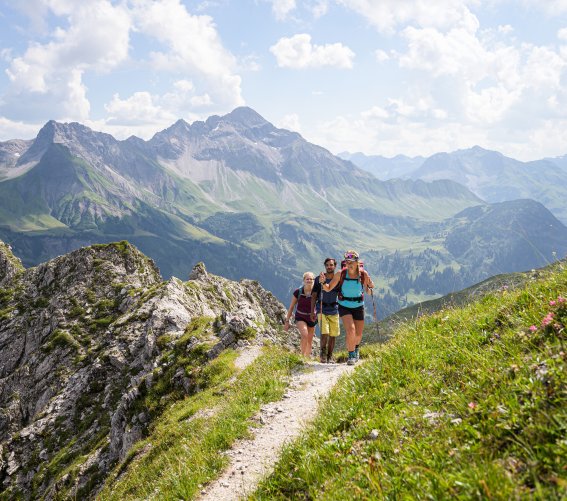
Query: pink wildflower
x=473, y=405
x=561, y=299
x=547, y=319
x=533, y=328
x=552, y=303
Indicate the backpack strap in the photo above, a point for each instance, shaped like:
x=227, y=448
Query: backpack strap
x=343, y=276
x=364, y=277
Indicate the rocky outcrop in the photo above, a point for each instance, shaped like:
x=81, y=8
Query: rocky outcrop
x=84, y=341
x=10, y=265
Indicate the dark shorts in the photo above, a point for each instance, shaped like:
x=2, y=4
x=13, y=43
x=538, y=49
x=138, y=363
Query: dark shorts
x=308, y=322
x=357, y=313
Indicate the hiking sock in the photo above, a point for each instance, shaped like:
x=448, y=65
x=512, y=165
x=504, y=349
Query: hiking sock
x=357, y=351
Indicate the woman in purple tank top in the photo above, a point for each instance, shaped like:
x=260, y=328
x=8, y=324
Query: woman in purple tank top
x=301, y=299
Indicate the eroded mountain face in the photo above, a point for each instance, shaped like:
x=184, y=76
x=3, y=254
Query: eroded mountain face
x=85, y=336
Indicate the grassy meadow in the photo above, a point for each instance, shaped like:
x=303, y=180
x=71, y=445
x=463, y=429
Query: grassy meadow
x=467, y=403
x=464, y=403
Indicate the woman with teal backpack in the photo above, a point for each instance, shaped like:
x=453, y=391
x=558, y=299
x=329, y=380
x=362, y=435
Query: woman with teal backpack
x=353, y=280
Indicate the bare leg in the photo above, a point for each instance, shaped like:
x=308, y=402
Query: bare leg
x=302, y=328
x=309, y=342
x=330, y=347
x=324, y=339
x=350, y=330
x=359, y=326
x=306, y=337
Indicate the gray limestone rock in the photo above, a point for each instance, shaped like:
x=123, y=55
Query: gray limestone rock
x=85, y=335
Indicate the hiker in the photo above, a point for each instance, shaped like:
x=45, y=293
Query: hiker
x=327, y=309
x=352, y=281
x=303, y=321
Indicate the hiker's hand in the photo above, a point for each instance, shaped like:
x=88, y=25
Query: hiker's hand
x=286, y=326
x=313, y=317
x=322, y=280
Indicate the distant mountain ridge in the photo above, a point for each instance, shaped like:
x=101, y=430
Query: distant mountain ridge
x=489, y=174
x=248, y=198
x=384, y=168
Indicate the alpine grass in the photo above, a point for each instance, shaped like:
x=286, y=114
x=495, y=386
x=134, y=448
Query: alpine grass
x=184, y=449
x=467, y=403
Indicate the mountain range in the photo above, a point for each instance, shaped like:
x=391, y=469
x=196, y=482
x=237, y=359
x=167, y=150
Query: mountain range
x=489, y=174
x=253, y=200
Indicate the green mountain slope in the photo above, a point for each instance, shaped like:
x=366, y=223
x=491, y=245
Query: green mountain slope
x=497, y=178
x=252, y=200
x=468, y=403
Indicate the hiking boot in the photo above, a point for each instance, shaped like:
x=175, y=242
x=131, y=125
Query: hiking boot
x=357, y=353
x=323, y=357
x=351, y=358
x=330, y=360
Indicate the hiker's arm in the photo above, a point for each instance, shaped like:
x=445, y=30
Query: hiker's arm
x=369, y=285
x=332, y=284
x=289, y=312
x=314, y=296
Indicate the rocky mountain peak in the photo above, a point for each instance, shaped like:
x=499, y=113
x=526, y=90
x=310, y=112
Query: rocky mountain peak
x=80, y=139
x=88, y=339
x=10, y=265
x=246, y=117
x=198, y=272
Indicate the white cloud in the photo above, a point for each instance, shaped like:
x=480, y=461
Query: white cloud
x=282, y=8
x=388, y=15
x=298, y=52
x=144, y=107
x=10, y=129
x=47, y=79
x=381, y=55
x=505, y=29
x=551, y=7
x=201, y=101
x=184, y=86
x=139, y=108
x=290, y=122
x=562, y=34
x=457, y=52
x=249, y=62
x=489, y=79
x=193, y=48
x=320, y=8
x=376, y=112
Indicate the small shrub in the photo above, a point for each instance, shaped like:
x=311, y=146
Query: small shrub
x=62, y=339
x=248, y=333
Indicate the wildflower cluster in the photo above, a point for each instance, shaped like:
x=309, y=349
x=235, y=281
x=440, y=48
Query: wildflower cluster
x=555, y=320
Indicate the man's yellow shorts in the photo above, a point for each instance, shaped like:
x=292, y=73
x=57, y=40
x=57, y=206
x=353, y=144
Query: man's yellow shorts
x=329, y=324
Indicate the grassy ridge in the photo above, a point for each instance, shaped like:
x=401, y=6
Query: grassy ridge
x=467, y=403
x=184, y=448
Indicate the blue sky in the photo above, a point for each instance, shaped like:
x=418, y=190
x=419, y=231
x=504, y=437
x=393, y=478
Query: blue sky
x=385, y=77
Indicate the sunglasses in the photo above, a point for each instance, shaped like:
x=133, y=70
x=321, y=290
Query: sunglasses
x=351, y=257
x=309, y=279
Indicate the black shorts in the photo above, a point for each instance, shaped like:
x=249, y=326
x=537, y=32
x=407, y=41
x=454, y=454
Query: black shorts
x=308, y=322
x=357, y=313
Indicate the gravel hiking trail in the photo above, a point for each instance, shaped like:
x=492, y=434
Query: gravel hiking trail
x=277, y=423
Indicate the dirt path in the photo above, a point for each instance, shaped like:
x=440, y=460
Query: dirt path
x=278, y=423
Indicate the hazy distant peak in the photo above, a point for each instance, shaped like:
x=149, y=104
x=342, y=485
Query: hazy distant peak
x=246, y=116
x=180, y=127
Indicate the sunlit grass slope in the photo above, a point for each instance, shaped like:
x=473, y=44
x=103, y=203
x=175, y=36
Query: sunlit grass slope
x=464, y=404
x=184, y=449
